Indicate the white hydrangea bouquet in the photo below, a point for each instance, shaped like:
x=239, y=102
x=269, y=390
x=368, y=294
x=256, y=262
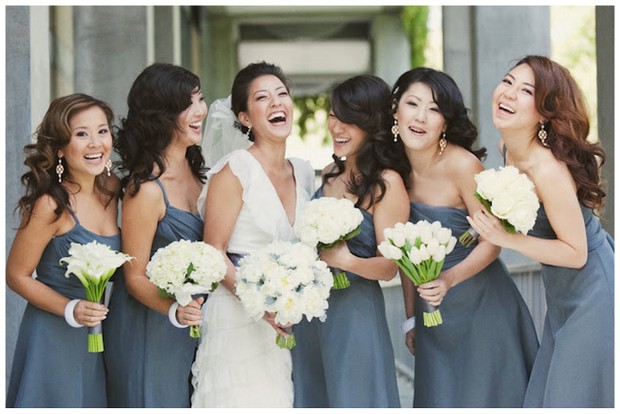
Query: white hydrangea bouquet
x=419, y=250
x=185, y=268
x=326, y=221
x=509, y=195
x=93, y=264
x=286, y=279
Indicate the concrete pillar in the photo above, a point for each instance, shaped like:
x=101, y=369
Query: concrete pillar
x=27, y=98
x=605, y=92
x=390, y=47
x=481, y=43
x=110, y=51
x=219, y=60
x=167, y=34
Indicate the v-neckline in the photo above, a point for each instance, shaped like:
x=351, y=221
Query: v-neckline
x=276, y=192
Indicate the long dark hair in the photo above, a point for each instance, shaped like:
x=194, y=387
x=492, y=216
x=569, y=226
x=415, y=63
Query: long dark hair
x=53, y=134
x=158, y=95
x=241, y=87
x=364, y=101
x=460, y=129
x=559, y=100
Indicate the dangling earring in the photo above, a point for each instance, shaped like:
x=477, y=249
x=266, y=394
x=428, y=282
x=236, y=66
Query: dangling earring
x=394, y=130
x=542, y=135
x=247, y=134
x=108, y=167
x=442, y=143
x=60, y=169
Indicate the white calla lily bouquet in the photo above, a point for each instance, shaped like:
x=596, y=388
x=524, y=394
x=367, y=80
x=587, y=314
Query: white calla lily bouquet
x=419, y=250
x=509, y=195
x=184, y=268
x=326, y=221
x=286, y=279
x=93, y=264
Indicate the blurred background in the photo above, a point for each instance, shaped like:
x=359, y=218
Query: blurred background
x=99, y=50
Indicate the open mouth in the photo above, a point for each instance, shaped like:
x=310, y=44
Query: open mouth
x=341, y=140
x=277, y=118
x=506, y=108
x=94, y=157
x=195, y=127
x=416, y=130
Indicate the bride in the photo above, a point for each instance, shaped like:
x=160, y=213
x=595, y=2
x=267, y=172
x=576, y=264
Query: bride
x=251, y=198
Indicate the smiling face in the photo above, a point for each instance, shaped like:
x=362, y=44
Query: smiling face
x=270, y=108
x=420, y=122
x=513, y=102
x=347, y=138
x=190, y=120
x=91, y=143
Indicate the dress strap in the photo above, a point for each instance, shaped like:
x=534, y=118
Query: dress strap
x=504, y=153
x=163, y=190
x=75, y=218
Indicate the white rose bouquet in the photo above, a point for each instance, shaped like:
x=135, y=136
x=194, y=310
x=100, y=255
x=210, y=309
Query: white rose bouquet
x=326, y=221
x=287, y=279
x=93, y=264
x=509, y=195
x=419, y=250
x=184, y=268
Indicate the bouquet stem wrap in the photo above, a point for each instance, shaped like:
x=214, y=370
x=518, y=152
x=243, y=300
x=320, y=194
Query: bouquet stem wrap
x=341, y=281
x=288, y=341
x=431, y=315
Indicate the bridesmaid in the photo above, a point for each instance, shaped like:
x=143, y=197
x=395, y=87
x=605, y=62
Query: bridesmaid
x=150, y=360
x=542, y=116
x=71, y=197
x=348, y=360
x=482, y=354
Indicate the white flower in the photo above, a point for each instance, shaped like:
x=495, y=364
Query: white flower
x=285, y=278
x=511, y=196
x=183, y=268
x=327, y=220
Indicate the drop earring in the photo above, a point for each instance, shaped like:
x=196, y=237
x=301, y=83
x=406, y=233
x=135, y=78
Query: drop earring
x=108, y=167
x=394, y=130
x=542, y=135
x=59, y=169
x=442, y=143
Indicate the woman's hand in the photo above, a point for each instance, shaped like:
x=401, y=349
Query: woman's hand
x=89, y=313
x=489, y=228
x=410, y=341
x=434, y=291
x=192, y=313
x=336, y=256
x=271, y=320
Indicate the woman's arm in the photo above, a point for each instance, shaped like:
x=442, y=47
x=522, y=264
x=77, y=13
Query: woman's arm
x=26, y=251
x=392, y=209
x=557, y=191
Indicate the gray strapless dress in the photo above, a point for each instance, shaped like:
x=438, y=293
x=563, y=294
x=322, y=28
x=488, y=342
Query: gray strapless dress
x=148, y=360
x=52, y=367
x=348, y=360
x=575, y=364
x=482, y=354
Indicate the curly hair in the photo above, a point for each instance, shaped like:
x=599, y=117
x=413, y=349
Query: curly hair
x=364, y=101
x=560, y=101
x=52, y=135
x=156, y=99
x=460, y=129
x=241, y=88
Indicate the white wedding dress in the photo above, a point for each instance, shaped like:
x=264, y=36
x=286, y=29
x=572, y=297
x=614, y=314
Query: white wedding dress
x=238, y=363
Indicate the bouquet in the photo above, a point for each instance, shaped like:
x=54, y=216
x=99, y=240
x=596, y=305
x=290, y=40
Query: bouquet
x=184, y=268
x=509, y=195
x=287, y=279
x=419, y=250
x=325, y=222
x=93, y=264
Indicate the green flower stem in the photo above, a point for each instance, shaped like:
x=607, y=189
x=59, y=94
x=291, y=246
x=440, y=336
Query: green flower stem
x=194, y=331
x=95, y=342
x=286, y=342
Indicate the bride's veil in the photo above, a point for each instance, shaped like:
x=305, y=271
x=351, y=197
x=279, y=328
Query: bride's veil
x=221, y=136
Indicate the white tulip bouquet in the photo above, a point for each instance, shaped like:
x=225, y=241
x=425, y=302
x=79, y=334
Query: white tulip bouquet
x=184, y=268
x=509, y=195
x=287, y=279
x=419, y=250
x=326, y=221
x=93, y=264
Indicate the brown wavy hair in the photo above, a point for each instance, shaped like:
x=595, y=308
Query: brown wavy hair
x=53, y=134
x=559, y=100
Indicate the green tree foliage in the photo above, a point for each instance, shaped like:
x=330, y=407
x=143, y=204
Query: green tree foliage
x=415, y=20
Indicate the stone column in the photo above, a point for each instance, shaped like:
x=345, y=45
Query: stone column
x=390, y=47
